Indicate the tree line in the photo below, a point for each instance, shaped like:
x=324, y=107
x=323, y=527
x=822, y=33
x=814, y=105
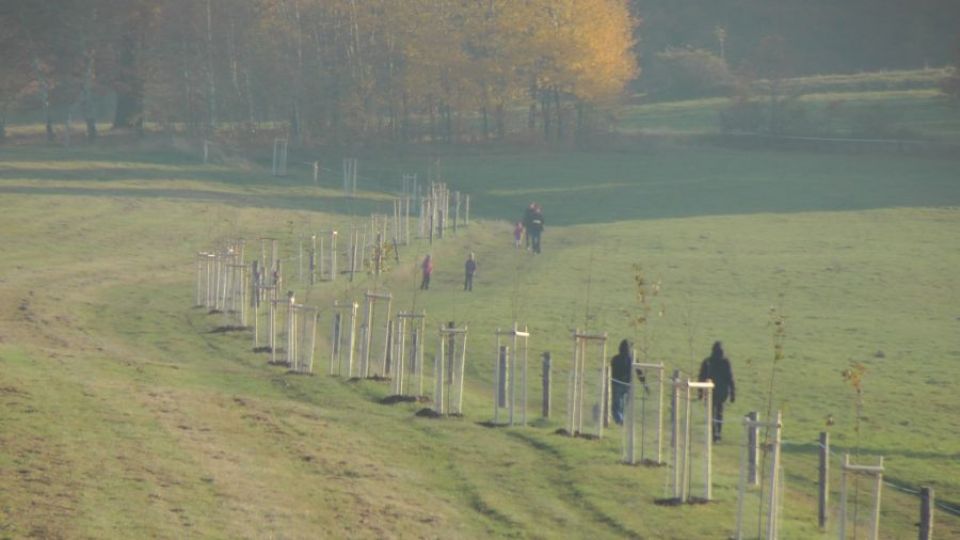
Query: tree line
x=327, y=70
x=819, y=36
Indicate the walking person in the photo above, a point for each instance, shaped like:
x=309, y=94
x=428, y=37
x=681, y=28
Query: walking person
x=620, y=368
x=527, y=223
x=716, y=368
x=427, y=270
x=536, y=228
x=470, y=268
x=518, y=235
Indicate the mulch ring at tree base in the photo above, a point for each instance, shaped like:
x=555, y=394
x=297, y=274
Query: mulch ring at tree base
x=676, y=501
x=588, y=436
x=261, y=349
x=375, y=378
x=280, y=363
x=225, y=329
x=430, y=413
x=391, y=400
x=489, y=424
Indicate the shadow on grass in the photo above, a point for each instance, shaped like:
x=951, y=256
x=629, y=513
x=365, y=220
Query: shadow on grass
x=572, y=491
x=333, y=205
x=572, y=187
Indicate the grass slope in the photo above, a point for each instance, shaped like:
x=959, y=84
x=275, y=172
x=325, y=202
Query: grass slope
x=924, y=114
x=124, y=415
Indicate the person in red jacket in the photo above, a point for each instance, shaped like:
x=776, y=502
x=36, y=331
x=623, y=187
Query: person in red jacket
x=427, y=267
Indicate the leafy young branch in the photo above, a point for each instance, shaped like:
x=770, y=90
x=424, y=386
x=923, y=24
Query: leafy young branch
x=646, y=292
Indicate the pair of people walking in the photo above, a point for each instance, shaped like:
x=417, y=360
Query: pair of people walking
x=533, y=226
x=715, y=368
x=469, y=269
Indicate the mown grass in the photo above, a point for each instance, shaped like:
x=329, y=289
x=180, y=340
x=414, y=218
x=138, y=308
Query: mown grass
x=124, y=415
x=903, y=114
x=871, y=81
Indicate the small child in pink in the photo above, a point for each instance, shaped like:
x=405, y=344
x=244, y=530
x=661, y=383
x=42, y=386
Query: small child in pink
x=517, y=235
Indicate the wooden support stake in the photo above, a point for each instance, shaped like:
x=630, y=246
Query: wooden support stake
x=546, y=377
x=753, y=448
x=824, y=480
x=926, y=513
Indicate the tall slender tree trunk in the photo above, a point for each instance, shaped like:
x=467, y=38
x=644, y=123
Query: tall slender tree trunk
x=44, y=97
x=545, y=112
x=579, y=134
x=298, y=81
x=559, y=111
x=233, y=51
x=486, y=124
x=128, y=111
x=211, y=80
x=500, y=115
x=89, y=112
x=404, y=118
x=433, y=119
x=248, y=91
x=448, y=121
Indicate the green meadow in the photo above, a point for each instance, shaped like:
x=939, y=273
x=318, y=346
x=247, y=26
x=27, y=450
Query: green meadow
x=821, y=111
x=123, y=414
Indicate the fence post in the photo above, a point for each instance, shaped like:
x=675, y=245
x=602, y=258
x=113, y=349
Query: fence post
x=675, y=433
x=926, y=513
x=753, y=448
x=502, y=382
x=773, y=511
x=824, y=477
x=547, y=368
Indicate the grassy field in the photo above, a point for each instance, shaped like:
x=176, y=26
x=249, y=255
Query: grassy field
x=893, y=114
x=124, y=415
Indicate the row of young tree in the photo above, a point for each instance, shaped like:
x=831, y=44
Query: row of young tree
x=330, y=70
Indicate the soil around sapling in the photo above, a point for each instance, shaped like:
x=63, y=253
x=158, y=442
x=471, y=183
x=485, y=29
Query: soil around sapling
x=394, y=399
x=226, y=329
x=428, y=413
x=578, y=435
x=676, y=501
x=375, y=378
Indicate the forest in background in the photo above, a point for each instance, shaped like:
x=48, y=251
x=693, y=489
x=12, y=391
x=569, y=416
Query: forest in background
x=336, y=71
x=819, y=36
x=405, y=70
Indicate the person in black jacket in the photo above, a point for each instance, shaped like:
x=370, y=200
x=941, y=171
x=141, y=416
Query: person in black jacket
x=469, y=269
x=536, y=228
x=620, y=367
x=716, y=368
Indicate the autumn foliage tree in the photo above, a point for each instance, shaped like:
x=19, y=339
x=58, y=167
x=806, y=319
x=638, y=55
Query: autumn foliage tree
x=333, y=70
